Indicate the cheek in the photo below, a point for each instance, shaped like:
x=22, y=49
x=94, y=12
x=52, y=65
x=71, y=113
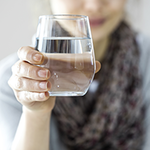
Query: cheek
x=117, y=9
x=114, y=17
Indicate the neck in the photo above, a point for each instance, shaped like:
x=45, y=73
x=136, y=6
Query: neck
x=100, y=48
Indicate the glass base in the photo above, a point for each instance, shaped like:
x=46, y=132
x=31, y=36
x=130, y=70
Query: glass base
x=66, y=93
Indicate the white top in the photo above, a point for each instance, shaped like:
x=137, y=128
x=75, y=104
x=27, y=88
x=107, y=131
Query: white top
x=11, y=109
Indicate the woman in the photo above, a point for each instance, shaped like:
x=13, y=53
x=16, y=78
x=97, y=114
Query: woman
x=110, y=116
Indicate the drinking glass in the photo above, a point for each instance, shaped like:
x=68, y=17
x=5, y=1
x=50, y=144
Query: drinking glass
x=66, y=43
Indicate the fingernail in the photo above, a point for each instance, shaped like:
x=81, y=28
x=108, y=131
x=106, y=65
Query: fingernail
x=43, y=85
x=37, y=57
x=43, y=73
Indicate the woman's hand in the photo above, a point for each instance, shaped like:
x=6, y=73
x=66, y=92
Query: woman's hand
x=30, y=82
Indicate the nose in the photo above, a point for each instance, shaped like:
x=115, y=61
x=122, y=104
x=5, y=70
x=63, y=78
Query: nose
x=93, y=5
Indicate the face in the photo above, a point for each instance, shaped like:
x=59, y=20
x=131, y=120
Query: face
x=104, y=15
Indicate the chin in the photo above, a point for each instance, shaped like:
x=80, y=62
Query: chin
x=98, y=36
x=101, y=33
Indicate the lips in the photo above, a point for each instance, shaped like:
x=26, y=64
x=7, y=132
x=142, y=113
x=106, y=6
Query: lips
x=95, y=22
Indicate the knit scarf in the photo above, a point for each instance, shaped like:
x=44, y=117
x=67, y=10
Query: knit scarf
x=111, y=117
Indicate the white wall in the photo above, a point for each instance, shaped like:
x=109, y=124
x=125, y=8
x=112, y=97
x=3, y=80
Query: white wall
x=16, y=28
x=145, y=28
x=16, y=25
x=138, y=13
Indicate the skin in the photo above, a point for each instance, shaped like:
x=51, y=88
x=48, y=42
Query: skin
x=30, y=83
x=109, y=11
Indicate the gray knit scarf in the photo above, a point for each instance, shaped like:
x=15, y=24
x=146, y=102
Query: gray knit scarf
x=111, y=118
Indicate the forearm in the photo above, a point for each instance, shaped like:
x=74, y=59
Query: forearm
x=33, y=131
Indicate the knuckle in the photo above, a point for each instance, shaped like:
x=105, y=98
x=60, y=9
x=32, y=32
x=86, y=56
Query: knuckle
x=23, y=96
x=39, y=96
x=35, y=96
x=30, y=71
x=17, y=67
x=20, y=50
x=23, y=52
x=27, y=55
x=19, y=83
x=18, y=95
x=28, y=96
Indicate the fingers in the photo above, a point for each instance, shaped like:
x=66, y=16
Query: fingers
x=98, y=66
x=26, y=96
x=24, y=69
x=30, y=82
x=25, y=84
x=30, y=55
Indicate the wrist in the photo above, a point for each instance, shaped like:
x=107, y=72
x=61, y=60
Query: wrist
x=36, y=114
x=33, y=131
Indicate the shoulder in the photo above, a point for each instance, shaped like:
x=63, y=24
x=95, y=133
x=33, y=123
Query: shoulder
x=144, y=48
x=5, y=68
x=10, y=108
x=8, y=61
x=6, y=93
x=143, y=42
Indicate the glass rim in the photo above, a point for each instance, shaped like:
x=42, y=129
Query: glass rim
x=74, y=16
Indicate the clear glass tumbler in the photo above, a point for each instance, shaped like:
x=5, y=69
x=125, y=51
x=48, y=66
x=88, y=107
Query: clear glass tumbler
x=66, y=42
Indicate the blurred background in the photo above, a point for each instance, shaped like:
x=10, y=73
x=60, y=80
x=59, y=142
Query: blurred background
x=19, y=18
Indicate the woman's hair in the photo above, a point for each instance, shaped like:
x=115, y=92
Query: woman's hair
x=133, y=11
